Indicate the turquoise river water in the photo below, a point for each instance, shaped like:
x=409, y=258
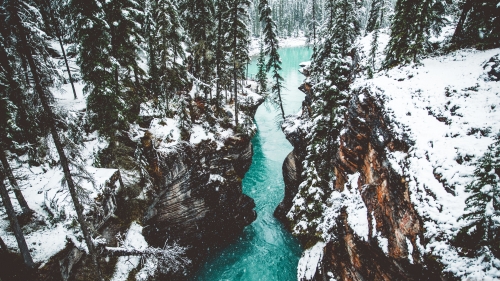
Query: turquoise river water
x=265, y=250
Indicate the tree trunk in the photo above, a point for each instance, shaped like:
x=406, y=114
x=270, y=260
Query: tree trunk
x=66, y=62
x=62, y=156
x=457, y=36
x=16, y=228
x=13, y=182
x=235, y=70
x=3, y=247
x=278, y=91
x=218, y=59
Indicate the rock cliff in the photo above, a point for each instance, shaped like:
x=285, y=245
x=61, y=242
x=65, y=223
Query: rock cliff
x=406, y=152
x=198, y=199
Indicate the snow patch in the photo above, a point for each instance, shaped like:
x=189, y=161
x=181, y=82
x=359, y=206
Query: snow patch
x=309, y=261
x=125, y=265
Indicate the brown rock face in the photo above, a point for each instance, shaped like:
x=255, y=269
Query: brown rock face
x=364, y=146
x=200, y=201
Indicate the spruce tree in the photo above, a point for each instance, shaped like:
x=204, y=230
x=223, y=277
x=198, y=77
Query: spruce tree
x=311, y=13
x=8, y=112
x=55, y=10
x=199, y=23
x=479, y=24
x=373, y=18
x=92, y=33
x=271, y=49
x=411, y=28
x=33, y=48
x=261, y=71
x=238, y=36
x=124, y=19
x=221, y=49
x=482, y=211
x=165, y=37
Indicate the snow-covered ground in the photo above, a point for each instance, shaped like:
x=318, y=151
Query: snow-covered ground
x=449, y=109
x=283, y=43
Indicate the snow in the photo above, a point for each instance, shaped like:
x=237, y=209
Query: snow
x=309, y=261
x=356, y=209
x=54, y=211
x=283, y=43
x=357, y=213
x=54, y=218
x=448, y=109
x=125, y=265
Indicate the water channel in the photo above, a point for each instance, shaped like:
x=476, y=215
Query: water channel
x=265, y=250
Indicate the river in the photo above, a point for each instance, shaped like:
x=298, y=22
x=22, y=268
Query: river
x=265, y=250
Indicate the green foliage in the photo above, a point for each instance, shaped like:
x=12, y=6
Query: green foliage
x=109, y=43
x=200, y=23
x=261, y=72
x=165, y=36
x=271, y=49
x=482, y=211
x=411, y=29
x=184, y=117
x=483, y=24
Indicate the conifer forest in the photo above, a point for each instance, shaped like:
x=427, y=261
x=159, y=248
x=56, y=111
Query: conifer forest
x=249, y=140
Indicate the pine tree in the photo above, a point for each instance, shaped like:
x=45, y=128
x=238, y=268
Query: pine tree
x=374, y=15
x=329, y=104
x=124, y=19
x=184, y=117
x=33, y=48
x=238, y=36
x=261, y=72
x=312, y=16
x=482, y=211
x=55, y=10
x=199, y=23
x=479, y=23
x=221, y=49
x=165, y=37
x=96, y=66
x=8, y=112
x=411, y=29
x=271, y=49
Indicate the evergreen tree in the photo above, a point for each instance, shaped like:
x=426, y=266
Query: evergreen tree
x=312, y=16
x=482, y=211
x=124, y=19
x=271, y=49
x=8, y=112
x=55, y=10
x=33, y=48
x=411, y=29
x=92, y=33
x=329, y=104
x=184, y=117
x=374, y=15
x=165, y=39
x=238, y=36
x=338, y=33
x=199, y=23
x=23, y=121
x=221, y=49
x=479, y=23
x=261, y=70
